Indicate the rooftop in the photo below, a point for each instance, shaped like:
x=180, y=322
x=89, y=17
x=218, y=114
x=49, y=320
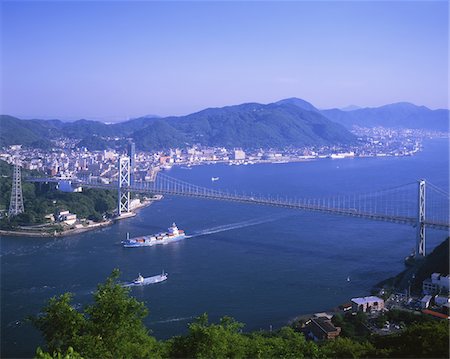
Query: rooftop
x=365, y=300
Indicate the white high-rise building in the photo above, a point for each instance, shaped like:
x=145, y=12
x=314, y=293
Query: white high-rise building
x=239, y=155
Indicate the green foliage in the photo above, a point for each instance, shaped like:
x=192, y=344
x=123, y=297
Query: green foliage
x=60, y=323
x=158, y=135
x=41, y=199
x=290, y=122
x=407, y=317
x=396, y=115
x=353, y=326
x=254, y=125
x=436, y=262
x=28, y=133
x=69, y=354
x=248, y=125
x=97, y=143
x=285, y=343
x=226, y=340
x=206, y=340
x=348, y=348
x=111, y=327
x=115, y=327
x=424, y=340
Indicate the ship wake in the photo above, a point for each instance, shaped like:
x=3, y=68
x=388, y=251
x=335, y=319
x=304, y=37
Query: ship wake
x=237, y=225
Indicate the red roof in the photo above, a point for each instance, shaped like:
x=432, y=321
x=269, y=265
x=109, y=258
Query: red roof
x=435, y=314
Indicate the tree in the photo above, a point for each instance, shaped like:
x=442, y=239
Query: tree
x=69, y=354
x=111, y=327
x=348, y=348
x=285, y=343
x=60, y=324
x=205, y=340
x=423, y=340
x=115, y=327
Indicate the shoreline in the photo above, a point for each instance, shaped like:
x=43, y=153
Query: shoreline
x=73, y=231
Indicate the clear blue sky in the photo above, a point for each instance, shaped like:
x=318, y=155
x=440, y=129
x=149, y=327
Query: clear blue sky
x=111, y=59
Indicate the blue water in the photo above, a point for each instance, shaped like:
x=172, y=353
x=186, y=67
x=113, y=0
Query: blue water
x=264, y=267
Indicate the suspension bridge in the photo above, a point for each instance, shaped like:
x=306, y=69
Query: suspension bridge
x=420, y=204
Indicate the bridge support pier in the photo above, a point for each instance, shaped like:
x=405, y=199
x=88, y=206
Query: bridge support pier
x=16, y=202
x=123, y=181
x=420, y=240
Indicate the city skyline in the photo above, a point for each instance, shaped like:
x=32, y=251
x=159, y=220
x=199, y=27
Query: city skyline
x=111, y=61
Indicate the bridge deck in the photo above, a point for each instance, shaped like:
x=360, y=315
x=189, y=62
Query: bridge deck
x=187, y=190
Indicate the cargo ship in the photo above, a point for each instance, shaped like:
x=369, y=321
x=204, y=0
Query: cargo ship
x=174, y=234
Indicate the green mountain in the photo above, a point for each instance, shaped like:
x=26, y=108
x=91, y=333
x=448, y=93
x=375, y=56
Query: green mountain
x=396, y=115
x=248, y=125
x=435, y=262
x=159, y=135
x=255, y=125
x=288, y=122
x=25, y=132
x=305, y=105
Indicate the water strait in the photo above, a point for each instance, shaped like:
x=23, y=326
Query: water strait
x=260, y=265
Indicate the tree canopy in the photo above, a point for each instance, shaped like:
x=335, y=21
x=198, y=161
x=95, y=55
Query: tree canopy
x=112, y=327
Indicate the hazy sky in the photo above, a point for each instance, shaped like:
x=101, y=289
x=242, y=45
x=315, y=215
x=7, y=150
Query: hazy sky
x=110, y=60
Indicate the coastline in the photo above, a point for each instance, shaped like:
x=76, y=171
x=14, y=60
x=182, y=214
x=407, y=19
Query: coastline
x=73, y=231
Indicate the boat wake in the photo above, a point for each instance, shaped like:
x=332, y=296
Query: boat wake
x=171, y=320
x=238, y=225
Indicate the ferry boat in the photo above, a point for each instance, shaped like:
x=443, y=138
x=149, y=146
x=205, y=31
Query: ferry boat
x=140, y=280
x=174, y=234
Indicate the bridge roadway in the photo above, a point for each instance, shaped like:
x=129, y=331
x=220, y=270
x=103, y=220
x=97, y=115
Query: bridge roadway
x=205, y=193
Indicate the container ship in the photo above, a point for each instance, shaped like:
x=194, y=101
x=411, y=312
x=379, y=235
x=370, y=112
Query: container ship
x=174, y=234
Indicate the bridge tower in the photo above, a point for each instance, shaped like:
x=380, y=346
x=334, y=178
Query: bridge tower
x=16, y=203
x=420, y=240
x=123, y=181
x=132, y=154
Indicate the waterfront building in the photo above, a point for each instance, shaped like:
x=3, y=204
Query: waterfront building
x=425, y=301
x=345, y=307
x=239, y=155
x=437, y=283
x=367, y=304
x=442, y=301
x=320, y=328
x=67, y=217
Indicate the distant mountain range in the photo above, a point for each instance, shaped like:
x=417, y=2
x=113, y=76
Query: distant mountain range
x=396, y=115
x=289, y=122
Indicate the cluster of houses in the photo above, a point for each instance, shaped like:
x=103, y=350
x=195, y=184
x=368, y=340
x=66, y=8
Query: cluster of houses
x=435, y=302
x=436, y=292
x=63, y=217
x=320, y=327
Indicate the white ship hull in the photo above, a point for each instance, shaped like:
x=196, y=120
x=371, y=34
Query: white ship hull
x=149, y=280
x=148, y=241
x=173, y=235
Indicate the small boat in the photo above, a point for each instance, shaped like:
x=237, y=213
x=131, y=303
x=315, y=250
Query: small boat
x=348, y=279
x=213, y=179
